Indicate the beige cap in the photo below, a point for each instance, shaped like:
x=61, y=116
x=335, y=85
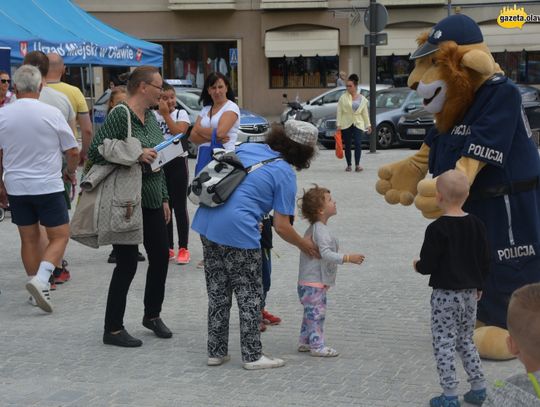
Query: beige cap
x=301, y=132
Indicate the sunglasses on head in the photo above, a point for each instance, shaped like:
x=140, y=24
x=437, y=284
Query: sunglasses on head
x=5, y=80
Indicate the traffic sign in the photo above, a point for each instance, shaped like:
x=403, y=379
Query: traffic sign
x=380, y=39
x=233, y=56
x=381, y=17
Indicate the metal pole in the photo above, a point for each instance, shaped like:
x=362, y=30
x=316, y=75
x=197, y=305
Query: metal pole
x=372, y=75
x=449, y=7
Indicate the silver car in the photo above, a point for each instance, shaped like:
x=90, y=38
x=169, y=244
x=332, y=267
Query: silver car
x=325, y=105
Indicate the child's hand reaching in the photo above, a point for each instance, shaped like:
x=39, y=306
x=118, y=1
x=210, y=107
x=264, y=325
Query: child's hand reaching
x=354, y=258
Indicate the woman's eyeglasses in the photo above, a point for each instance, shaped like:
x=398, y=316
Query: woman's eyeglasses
x=155, y=86
x=5, y=80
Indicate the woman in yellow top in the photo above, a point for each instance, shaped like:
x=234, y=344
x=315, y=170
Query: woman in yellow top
x=353, y=120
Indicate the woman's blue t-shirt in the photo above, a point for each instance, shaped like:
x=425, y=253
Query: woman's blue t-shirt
x=270, y=187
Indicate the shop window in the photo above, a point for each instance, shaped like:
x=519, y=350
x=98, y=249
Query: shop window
x=193, y=61
x=303, y=72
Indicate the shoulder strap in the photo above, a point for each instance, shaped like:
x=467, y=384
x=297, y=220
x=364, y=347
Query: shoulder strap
x=260, y=164
x=535, y=384
x=128, y=116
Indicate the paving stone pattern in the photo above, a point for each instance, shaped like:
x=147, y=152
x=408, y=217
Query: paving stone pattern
x=378, y=318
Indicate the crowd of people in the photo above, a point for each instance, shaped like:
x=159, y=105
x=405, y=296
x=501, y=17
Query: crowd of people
x=37, y=175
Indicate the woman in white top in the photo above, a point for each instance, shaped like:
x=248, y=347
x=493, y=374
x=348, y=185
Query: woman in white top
x=219, y=112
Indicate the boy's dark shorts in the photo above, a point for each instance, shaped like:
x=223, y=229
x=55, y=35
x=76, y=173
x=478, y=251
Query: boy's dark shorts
x=48, y=209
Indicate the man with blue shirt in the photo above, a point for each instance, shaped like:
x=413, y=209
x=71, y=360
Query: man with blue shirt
x=231, y=238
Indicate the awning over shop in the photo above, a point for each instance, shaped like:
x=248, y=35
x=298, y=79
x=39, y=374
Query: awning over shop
x=62, y=27
x=307, y=43
x=501, y=39
x=402, y=41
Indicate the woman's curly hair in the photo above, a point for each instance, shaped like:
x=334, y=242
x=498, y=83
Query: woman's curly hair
x=296, y=154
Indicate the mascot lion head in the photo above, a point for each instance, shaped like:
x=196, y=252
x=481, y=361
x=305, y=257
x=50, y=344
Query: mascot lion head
x=451, y=63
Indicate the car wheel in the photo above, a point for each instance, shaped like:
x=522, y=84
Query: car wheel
x=385, y=136
x=192, y=149
x=330, y=145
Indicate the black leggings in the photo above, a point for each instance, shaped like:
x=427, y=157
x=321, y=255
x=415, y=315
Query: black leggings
x=156, y=245
x=177, y=177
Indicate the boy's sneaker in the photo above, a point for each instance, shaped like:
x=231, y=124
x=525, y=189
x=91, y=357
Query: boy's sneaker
x=218, y=361
x=183, y=256
x=41, y=293
x=444, y=401
x=140, y=257
x=270, y=319
x=171, y=254
x=264, y=362
x=476, y=397
x=262, y=327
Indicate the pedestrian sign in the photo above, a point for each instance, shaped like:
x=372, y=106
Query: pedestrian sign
x=233, y=56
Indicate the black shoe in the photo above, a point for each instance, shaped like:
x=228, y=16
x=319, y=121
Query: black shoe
x=157, y=325
x=122, y=338
x=112, y=258
x=140, y=257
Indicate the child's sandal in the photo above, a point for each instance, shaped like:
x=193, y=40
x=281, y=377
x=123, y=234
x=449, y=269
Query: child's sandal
x=325, y=352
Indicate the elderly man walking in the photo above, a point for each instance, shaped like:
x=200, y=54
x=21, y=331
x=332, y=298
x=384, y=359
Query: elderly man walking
x=33, y=136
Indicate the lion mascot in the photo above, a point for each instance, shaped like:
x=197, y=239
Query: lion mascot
x=481, y=130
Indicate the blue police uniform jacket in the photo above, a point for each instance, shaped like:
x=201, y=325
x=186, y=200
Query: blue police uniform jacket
x=505, y=194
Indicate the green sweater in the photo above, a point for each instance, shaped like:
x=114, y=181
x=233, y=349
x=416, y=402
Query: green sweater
x=154, y=188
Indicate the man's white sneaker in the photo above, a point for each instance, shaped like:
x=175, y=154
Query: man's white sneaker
x=41, y=293
x=264, y=362
x=32, y=301
x=218, y=361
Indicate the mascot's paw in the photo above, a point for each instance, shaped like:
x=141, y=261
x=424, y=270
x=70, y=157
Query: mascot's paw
x=393, y=196
x=397, y=182
x=491, y=343
x=426, y=201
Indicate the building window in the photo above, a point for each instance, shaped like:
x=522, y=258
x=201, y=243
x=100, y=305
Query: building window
x=520, y=66
x=303, y=72
x=394, y=70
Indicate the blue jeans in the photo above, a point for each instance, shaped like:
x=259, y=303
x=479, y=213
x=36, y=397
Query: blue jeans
x=348, y=135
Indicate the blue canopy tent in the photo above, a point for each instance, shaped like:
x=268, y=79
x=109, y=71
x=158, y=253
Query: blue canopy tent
x=64, y=28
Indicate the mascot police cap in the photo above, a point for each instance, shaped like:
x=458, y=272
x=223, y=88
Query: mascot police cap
x=459, y=28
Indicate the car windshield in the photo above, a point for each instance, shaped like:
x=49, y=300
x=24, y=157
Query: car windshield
x=391, y=100
x=191, y=100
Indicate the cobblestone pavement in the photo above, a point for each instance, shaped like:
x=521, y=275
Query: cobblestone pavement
x=378, y=318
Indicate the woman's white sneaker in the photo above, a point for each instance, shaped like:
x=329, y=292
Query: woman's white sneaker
x=218, y=361
x=264, y=362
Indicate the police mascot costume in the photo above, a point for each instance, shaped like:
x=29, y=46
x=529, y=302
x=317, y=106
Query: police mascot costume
x=481, y=130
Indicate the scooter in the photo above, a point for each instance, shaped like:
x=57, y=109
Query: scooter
x=296, y=111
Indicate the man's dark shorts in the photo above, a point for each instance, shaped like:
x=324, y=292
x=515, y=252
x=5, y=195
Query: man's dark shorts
x=48, y=209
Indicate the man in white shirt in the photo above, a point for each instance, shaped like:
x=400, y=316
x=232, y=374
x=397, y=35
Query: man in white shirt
x=33, y=136
x=57, y=99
